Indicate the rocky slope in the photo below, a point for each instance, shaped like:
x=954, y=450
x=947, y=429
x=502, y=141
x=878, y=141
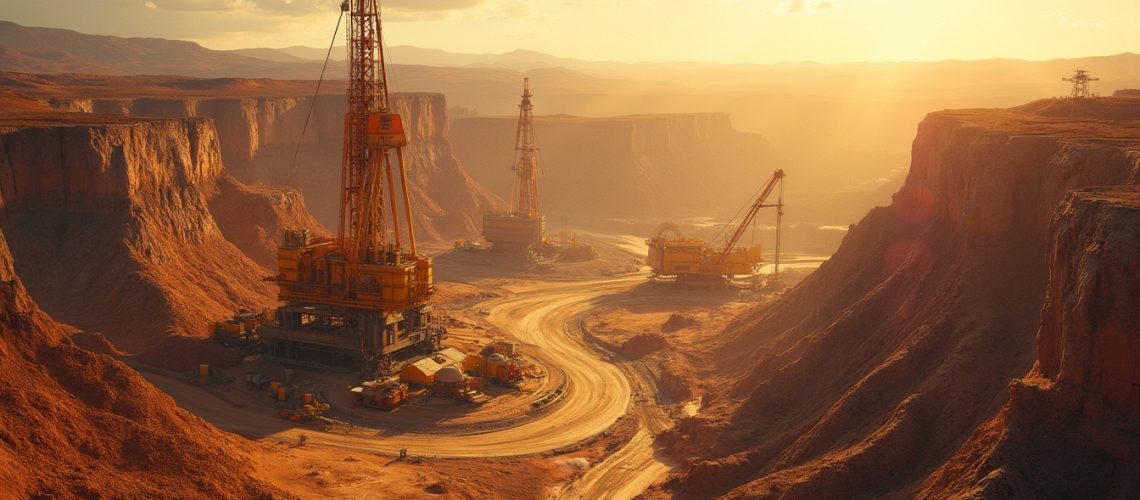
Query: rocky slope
x=874, y=371
x=636, y=166
x=119, y=225
x=82, y=425
x=1071, y=427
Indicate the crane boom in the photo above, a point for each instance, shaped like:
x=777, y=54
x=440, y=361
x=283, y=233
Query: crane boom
x=776, y=178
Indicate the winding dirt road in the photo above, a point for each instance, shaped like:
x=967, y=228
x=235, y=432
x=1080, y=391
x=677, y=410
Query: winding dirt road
x=537, y=315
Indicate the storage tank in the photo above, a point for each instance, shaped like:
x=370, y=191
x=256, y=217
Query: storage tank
x=449, y=375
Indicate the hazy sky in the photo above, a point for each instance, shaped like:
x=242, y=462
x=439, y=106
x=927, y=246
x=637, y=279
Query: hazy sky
x=638, y=30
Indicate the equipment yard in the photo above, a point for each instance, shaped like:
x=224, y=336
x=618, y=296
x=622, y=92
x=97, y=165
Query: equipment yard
x=601, y=402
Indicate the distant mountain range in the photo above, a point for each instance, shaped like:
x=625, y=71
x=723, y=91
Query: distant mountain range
x=838, y=124
x=406, y=54
x=50, y=50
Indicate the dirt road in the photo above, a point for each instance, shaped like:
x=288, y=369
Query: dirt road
x=597, y=392
x=635, y=466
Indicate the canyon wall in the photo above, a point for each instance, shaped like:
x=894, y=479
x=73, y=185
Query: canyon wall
x=119, y=225
x=81, y=425
x=259, y=140
x=1070, y=426
x=875, y=370
x=651, y=166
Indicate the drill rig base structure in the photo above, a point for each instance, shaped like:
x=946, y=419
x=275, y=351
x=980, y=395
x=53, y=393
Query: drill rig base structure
x=364, y=296
x=523, y=228
x=693, y=261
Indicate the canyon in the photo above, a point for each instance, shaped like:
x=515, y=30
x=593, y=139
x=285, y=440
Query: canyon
x=907, y=338
x=647, y=167
x=975, y=337
x=280, y=134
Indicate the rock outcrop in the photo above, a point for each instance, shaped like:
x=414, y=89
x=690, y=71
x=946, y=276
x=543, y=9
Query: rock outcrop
x=874, y=371
x=114, y=226
x=254, y=218
x=658, y=166
x=1071, y=427
x=82, y=425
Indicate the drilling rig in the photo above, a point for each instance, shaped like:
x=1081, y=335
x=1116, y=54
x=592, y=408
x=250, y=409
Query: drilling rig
x=694, y=261
x=365, y=296
x=523, y=228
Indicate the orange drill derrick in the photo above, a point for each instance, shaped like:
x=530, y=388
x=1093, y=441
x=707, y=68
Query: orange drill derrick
x=368, y=289
x=525, y=194
x=523, y=228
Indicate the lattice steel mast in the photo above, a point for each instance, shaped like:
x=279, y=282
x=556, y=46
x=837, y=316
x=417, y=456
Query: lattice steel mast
x=524, y=197
x=1080, y=81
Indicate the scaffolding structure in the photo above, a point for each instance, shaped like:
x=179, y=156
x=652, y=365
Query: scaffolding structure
x=1080, y=79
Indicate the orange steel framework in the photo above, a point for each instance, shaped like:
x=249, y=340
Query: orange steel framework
x=365, y=295
x=523, y=226
x=524, y=198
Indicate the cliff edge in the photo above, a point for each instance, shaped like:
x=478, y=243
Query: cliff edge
x=1070, y=427
x=875, y=370
x=116, y=226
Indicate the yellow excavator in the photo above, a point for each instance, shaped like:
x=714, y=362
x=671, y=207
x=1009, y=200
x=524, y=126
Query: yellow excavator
x=690, y=260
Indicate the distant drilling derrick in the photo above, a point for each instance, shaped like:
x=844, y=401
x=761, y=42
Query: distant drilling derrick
x=524, y=198
x=1080, y=79
x=365, y=296
x=523, y=228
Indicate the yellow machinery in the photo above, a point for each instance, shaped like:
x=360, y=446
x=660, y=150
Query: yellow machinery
x=687, y=259
x=523, y=227
x=359, y=298
x=241, y=329
x=386, y=394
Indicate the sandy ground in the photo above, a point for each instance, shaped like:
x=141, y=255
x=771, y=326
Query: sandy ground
x=594, y=440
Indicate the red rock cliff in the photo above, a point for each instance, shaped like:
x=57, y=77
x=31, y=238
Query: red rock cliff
x=112, y=227
x=258, y=137
x=1090, y=327
x=875, y=370
x=1070, y=427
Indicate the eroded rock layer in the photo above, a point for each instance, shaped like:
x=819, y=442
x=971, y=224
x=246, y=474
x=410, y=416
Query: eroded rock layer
x=81, y=425
x=114, y=226
x=1071, y=427
x=874, y=371
x=658, y=166
x=259, y=139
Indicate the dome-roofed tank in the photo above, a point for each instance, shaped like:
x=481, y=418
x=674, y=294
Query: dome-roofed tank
x=497, y=359
x=449, y=375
